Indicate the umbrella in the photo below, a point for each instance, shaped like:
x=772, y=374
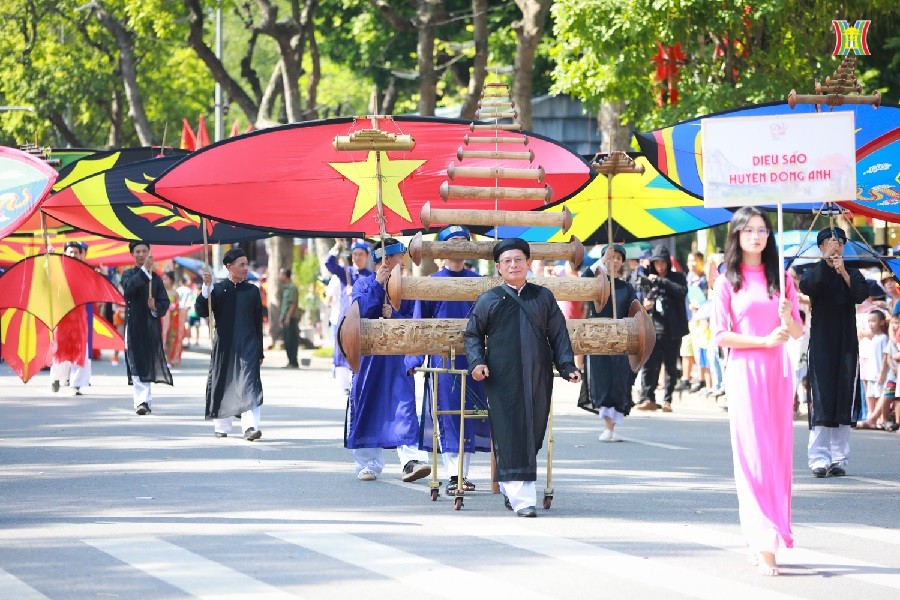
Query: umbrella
x=25, y=180
x=645, y=206
x=114, y=204
x=45, y=287
x=25, y=342
x=856, y=256
x=101, y=251
x=290, y=178
x=675, y=152
x=196, y=266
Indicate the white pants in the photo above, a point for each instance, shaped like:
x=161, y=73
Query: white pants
x=373, y=458
x=612, y=414
x=78, y=376
x=521, y=494
x=451, y=463
x=141, y=393
x=249, y=418
x=829, y=446
x=343, y=376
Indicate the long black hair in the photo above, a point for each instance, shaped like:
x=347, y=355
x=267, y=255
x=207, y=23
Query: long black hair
x=734, y=255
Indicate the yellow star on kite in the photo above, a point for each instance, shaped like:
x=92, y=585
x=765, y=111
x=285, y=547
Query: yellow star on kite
x=363, y=175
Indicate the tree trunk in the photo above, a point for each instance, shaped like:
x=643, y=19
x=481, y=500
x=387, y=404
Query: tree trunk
x=529, y=31
x=215, y=66
x=613, y=135
x=267, y=103
x=67, y=134
x=312, y=86
x=128, y=66
x=115, y=120
x=425, y=18
x=281, y=252
x=479, y=65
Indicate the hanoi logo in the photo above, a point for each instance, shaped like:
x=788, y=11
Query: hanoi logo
x=851, y=39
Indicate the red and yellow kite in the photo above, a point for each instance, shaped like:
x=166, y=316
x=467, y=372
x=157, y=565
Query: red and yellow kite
x=290, y=178
x=51, y=285
x=101, y=251
x=25, y=342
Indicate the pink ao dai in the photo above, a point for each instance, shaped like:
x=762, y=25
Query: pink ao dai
x=759, y=385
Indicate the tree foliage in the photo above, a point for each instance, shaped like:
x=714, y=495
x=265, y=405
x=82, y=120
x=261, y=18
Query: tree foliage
x=737, y=53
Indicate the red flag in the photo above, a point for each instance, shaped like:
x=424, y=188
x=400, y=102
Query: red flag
x=234, y=129
x=202, y=135
x=188, y=139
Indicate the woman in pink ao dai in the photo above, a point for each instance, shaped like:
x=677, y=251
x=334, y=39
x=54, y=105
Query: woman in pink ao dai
x=750, y=318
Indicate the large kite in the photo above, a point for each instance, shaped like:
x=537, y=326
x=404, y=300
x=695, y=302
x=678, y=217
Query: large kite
x=291, y=178
x=25, y=180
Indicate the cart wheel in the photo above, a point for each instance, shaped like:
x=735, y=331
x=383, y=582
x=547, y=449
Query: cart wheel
x=434, y=494
x=457, y=503
x=548, y=500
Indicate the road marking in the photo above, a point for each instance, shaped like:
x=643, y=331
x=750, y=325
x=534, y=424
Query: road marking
x=867, y=532
x=654, y=444
x=813, y=560
x=410, y=569
x=187, y=571
x=875, y=481
x=617, y=564
x=13, y=587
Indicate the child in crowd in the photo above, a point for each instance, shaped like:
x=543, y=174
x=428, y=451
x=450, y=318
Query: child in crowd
x=873, y=356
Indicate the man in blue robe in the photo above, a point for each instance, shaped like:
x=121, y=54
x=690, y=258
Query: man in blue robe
x=478, y=432
x=381, y=408
x=359, y=256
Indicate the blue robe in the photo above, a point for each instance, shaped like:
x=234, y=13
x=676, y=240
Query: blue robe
x=348, y=276
x=381, y=409
x=478, y=432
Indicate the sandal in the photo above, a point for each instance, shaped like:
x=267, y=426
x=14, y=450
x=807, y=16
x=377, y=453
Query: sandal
x=452, y=486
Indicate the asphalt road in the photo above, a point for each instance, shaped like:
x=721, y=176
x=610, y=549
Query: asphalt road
x=96, y=502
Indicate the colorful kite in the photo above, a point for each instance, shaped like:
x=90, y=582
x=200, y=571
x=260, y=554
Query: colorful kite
x=25, y=180
x=114, y=204
x=675, y=152
x=101, y=251
x=106, y=336
x=290, y=178
x=645, y=206
x=104, y=160
x=50, y=285
x=25, y=342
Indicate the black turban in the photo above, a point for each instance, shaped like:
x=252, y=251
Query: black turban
x=234, y=254
x=133, y=245
x=829, y=232
x=511, y=244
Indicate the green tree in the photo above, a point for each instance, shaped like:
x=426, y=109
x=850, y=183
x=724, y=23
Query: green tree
x=737, y=54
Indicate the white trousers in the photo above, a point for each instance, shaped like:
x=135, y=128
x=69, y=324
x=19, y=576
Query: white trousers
x=141, y=393
x=829, y=446
x=451, y=463
x=373, y=458
x=608, y=412
x=521, y=494
x=249, y=418
x=343, y=376
x=78, y=376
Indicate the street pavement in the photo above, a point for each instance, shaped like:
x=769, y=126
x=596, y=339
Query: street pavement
x=97, y=502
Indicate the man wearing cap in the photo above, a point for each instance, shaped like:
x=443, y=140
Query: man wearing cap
x=347, y=276
x=234, y=386
x=515, y=334
x=834, y=291
x=478, y=433
x=146, y=301
x=381, y=407
x=71, y=346
x=665, y=301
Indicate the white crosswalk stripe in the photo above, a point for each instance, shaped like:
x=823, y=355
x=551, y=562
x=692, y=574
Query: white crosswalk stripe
x=187, y=571
x=402, y=566
x=876, y=534
x=13, y=588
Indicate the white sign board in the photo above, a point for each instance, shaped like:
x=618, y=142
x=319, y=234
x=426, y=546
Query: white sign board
x=749, y=161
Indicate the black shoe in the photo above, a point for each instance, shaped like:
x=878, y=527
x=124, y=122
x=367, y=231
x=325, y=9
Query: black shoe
x=697, y=387
x=290, y=366
x=252, y=434
x=506, y=503
x=78, y=391
x=682, y=385
x=219, y=434
x=143, y=409
x=415, y=470
x=54, y=387
x=837, y=470
x=820, y=472
x=528, y=511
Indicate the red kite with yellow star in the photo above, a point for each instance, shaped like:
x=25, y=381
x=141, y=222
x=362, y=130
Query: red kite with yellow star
x=51, y=285
x=291, y=178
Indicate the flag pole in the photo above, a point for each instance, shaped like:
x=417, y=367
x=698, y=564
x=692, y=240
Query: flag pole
x=212, y=319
